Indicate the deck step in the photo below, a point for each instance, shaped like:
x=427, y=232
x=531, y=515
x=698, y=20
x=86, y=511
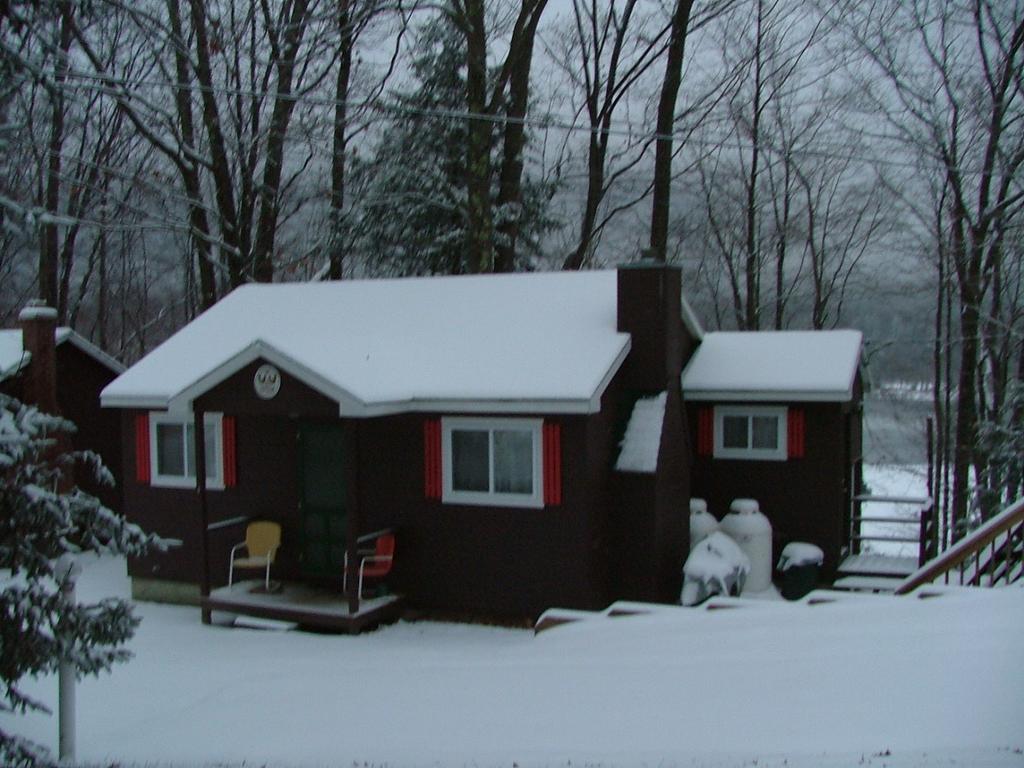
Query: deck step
x=878, y=565
x=254, y=622
x=878, y=584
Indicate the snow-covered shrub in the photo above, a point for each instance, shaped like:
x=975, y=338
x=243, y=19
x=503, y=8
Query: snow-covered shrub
x=41, y=519
x=716, y=566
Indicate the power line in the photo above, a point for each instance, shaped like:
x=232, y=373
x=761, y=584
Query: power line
x=827, y=151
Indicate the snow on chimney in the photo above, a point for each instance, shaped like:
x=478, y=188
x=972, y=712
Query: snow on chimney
x=38, y=329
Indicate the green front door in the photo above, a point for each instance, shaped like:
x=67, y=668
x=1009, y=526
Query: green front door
x=322, y=499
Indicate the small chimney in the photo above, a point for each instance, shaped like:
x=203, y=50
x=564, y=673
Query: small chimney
x=38, y=331
x=650, y=311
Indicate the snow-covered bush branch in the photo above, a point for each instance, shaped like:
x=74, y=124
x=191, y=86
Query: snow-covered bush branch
x=42, y=517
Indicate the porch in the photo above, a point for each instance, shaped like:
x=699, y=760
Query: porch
x=308, y=606
x=316, y=604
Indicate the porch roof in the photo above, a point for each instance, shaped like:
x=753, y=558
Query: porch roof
x=541, y=342
x=774, y=366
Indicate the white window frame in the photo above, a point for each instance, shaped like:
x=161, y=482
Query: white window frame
x=781, y=450
x=213, y=423
x=492, y=498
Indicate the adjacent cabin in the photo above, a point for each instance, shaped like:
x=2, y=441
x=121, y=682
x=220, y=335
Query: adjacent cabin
x=62, y=372
x=776, y=416
x=524, y=436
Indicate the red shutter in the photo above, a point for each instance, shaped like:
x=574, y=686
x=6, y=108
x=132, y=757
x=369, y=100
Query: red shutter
x=142, y=448
x=552, y=464
x=432, y=458
x=229, y=455
x=795, y=433
x=705, y=432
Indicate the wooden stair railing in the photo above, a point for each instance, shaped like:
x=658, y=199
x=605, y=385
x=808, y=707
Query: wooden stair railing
x=991, y=554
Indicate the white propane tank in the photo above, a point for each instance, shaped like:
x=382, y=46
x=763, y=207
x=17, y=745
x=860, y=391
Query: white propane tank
x=702, y=522
x=752, y=531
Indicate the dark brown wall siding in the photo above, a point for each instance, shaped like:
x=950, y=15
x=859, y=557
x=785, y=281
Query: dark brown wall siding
x=484, y=560
x=487, y=560
x=267, y=489
x=236, y=395
x=804, y=499
x=672, y=500
x=80, y=379
x=650, y=527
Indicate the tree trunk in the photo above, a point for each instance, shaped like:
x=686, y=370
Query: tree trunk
x=752, y=318
x=966, y=409
x=511, y=176
x=223, y=190
x=198, y=224
x=596, y=157
x=284, y=104
x=662, y=188
x=340, y=147
x=49, y=241
x=479, y=224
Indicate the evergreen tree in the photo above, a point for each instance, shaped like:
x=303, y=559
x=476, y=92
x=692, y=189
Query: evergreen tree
x=413, y=214
x=413, y=211
x=41, y=519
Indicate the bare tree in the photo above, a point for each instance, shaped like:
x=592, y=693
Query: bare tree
x=951, y=92
x=487, y=99
x=790, y=208
x=617, y=45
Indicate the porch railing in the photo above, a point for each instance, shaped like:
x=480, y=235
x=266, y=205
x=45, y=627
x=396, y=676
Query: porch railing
x=992, y=554
x=925, y=531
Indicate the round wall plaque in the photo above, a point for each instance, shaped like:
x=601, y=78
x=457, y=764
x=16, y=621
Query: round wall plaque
x=267, y=381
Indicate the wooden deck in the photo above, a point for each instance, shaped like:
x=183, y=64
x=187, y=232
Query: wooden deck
x=305, y=606
x=878, y=565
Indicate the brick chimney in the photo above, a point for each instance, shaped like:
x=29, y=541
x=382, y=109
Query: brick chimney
x=649, y=515
x=38, y=329
x=650, y=311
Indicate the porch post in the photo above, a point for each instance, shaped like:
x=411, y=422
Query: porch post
x=199, y=439
x=353, y=522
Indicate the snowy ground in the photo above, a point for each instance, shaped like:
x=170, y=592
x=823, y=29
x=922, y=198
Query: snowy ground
x=866, y=680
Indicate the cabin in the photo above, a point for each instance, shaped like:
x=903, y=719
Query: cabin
x=776, y=416
x=62, y=372
x=524, y=436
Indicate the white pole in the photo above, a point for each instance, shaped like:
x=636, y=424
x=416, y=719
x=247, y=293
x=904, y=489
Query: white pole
x=67, y=566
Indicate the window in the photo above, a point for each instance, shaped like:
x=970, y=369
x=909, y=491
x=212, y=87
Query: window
x=750, y=433
x=172, y=451
x=494, y=462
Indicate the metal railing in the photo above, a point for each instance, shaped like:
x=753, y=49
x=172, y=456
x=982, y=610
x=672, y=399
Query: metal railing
x=925, y=532
x=991, y=554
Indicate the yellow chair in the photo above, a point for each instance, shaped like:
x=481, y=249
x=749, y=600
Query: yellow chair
x=262, y=538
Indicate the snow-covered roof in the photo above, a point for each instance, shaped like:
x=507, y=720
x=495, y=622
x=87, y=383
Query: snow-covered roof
x=763, y=366
x=542, y=342
x=14, y=357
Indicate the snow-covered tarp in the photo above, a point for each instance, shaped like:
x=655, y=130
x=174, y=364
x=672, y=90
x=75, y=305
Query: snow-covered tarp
x=542, y=342
x=716, y=566
x=774, y=365
x=797, y=554
x=640, y=443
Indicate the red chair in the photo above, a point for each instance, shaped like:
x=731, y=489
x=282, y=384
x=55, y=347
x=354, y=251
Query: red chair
x=373, y=563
